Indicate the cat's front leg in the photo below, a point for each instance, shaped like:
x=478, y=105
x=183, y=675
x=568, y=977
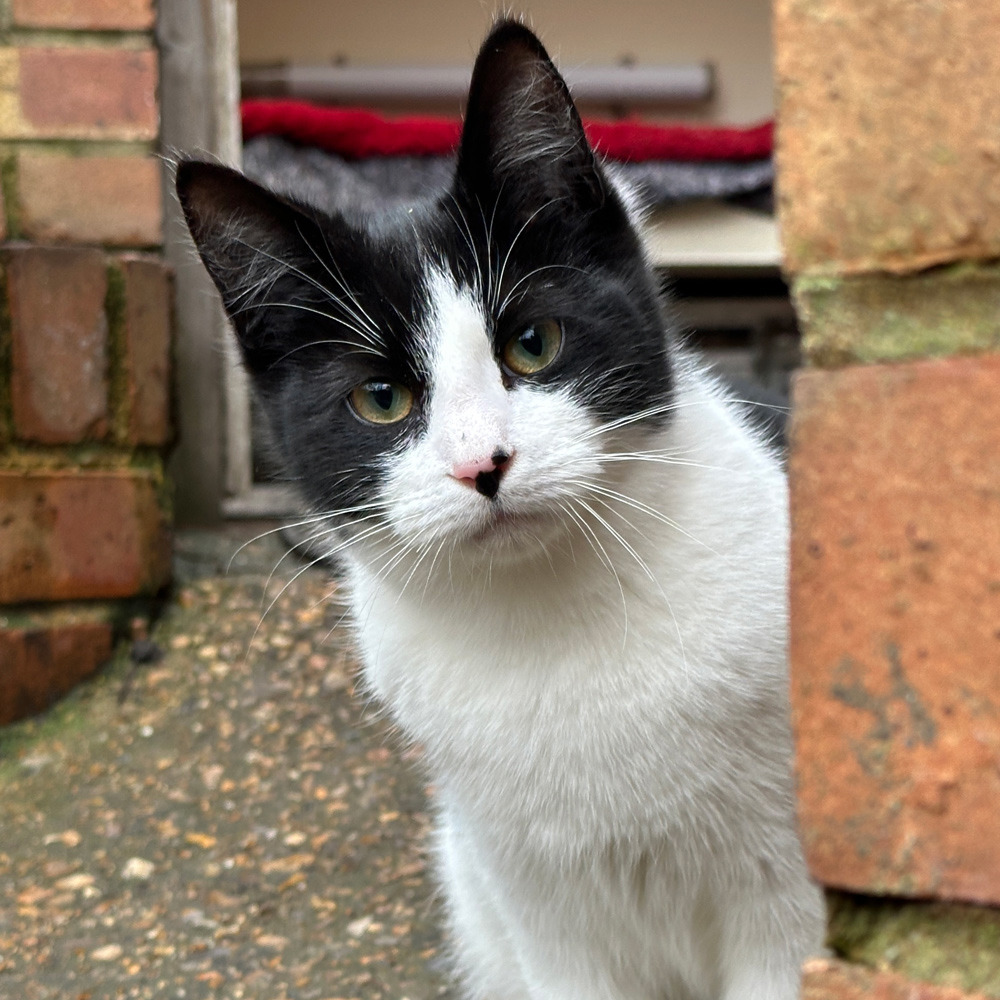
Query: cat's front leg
x=767, y=937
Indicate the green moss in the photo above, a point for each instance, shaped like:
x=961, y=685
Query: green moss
x=80, y=39
x=6, y=366
x=80, y=147
x=69, y=715
x=949, y=944
x=945, y=311
x=89, y=455
x=74, y=711
x=11, y=200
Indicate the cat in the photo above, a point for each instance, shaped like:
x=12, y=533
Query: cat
x=563, y=544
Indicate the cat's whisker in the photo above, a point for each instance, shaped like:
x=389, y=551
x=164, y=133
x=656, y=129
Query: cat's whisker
x=617, y=536
x=368, y=532
x=527, y=277
x=271, y=531
x=430, y=569
x=421, y=552
x=372, y=346
x=513, y=243
x=367, y=511
x=353, y=305
x=599, y=551
x=664, y=456
x=462, y=225
x=606, y=491
x=634, y=553
x=632, y=418
x=285, y=266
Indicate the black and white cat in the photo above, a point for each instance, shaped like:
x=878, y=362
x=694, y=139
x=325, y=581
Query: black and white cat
x=565, y=549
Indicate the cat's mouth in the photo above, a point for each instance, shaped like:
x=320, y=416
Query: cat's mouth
x=505, y=525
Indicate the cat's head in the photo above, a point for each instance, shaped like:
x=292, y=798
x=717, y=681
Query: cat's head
x=448, y=373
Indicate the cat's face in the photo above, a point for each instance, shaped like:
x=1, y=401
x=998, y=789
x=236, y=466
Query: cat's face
x=452, y=372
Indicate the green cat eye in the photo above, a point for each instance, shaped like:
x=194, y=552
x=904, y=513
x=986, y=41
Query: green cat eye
x=381, y=402
x=534, y=348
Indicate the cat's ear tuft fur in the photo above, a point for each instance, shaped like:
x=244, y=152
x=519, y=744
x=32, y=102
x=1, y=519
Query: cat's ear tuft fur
x=522, y=130
x=238, y=227
x=254, y=245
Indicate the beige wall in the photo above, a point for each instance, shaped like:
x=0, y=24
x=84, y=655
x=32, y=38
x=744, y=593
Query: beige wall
x=733, y=35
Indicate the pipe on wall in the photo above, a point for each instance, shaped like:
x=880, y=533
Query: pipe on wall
x=627, y=85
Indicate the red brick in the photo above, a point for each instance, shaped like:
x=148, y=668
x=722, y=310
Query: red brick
x=42, y=663
x=89, y=93
x=80, y=535
x=93, y=199
x=59, y=343
x=895, y=641
x=147, y=349
x=84, y=15
x=825, y=979
x=868, y=182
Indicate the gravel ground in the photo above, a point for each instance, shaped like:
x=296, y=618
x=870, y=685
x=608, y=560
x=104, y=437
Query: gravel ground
x=228, y=821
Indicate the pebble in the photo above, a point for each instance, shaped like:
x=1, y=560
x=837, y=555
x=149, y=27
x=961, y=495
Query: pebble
x=138, y=868
x=109, y=953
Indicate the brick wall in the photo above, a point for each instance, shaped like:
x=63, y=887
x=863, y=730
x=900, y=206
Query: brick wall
x=85, y=340
x=889, y=160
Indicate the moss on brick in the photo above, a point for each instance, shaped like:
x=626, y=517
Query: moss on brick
x=12, y=203
x=938, y=313
x=80, y=38
x=6, y=366
x=949, y=944
x=90, y=456
x=119, y=404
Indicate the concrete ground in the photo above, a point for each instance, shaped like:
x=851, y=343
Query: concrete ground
x=228, y=821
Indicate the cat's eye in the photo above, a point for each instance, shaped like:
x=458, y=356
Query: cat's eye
x=534, y=348
x=380, y=402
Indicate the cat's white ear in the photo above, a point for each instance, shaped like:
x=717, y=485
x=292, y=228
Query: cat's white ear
x=522, y=131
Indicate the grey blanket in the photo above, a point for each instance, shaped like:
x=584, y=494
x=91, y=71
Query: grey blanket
x=330, y=182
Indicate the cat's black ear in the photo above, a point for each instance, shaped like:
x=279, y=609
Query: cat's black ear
x=253, y=244
x=239, y=228
x=522, y=133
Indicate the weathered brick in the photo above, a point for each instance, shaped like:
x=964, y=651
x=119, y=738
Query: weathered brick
x=948, y=310
x=81, y=534
x=84, y=15
x=895, y=642
x=92, y=199
x=78, y=93
x=58, y=343
x=43, y=661
x=147, y=331
x=888, y=147
x=827, y=979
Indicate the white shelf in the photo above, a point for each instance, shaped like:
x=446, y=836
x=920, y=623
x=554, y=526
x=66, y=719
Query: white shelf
x=713, y=235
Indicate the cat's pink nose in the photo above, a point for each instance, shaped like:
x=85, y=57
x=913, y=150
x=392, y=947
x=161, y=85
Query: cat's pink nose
x=483, y=474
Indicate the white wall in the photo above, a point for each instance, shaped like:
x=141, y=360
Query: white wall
x=733, y=35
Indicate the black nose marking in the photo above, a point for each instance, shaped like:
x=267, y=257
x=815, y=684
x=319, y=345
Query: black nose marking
x=488, y=483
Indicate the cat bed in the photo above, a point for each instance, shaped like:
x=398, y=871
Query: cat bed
x=337, y=158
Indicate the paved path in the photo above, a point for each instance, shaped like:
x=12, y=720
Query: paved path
x=227, y=822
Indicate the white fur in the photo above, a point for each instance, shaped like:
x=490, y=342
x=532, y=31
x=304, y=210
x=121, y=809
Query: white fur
x=607, y=729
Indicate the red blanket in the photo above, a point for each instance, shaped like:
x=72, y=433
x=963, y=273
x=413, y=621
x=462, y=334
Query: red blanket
x=356, y=133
